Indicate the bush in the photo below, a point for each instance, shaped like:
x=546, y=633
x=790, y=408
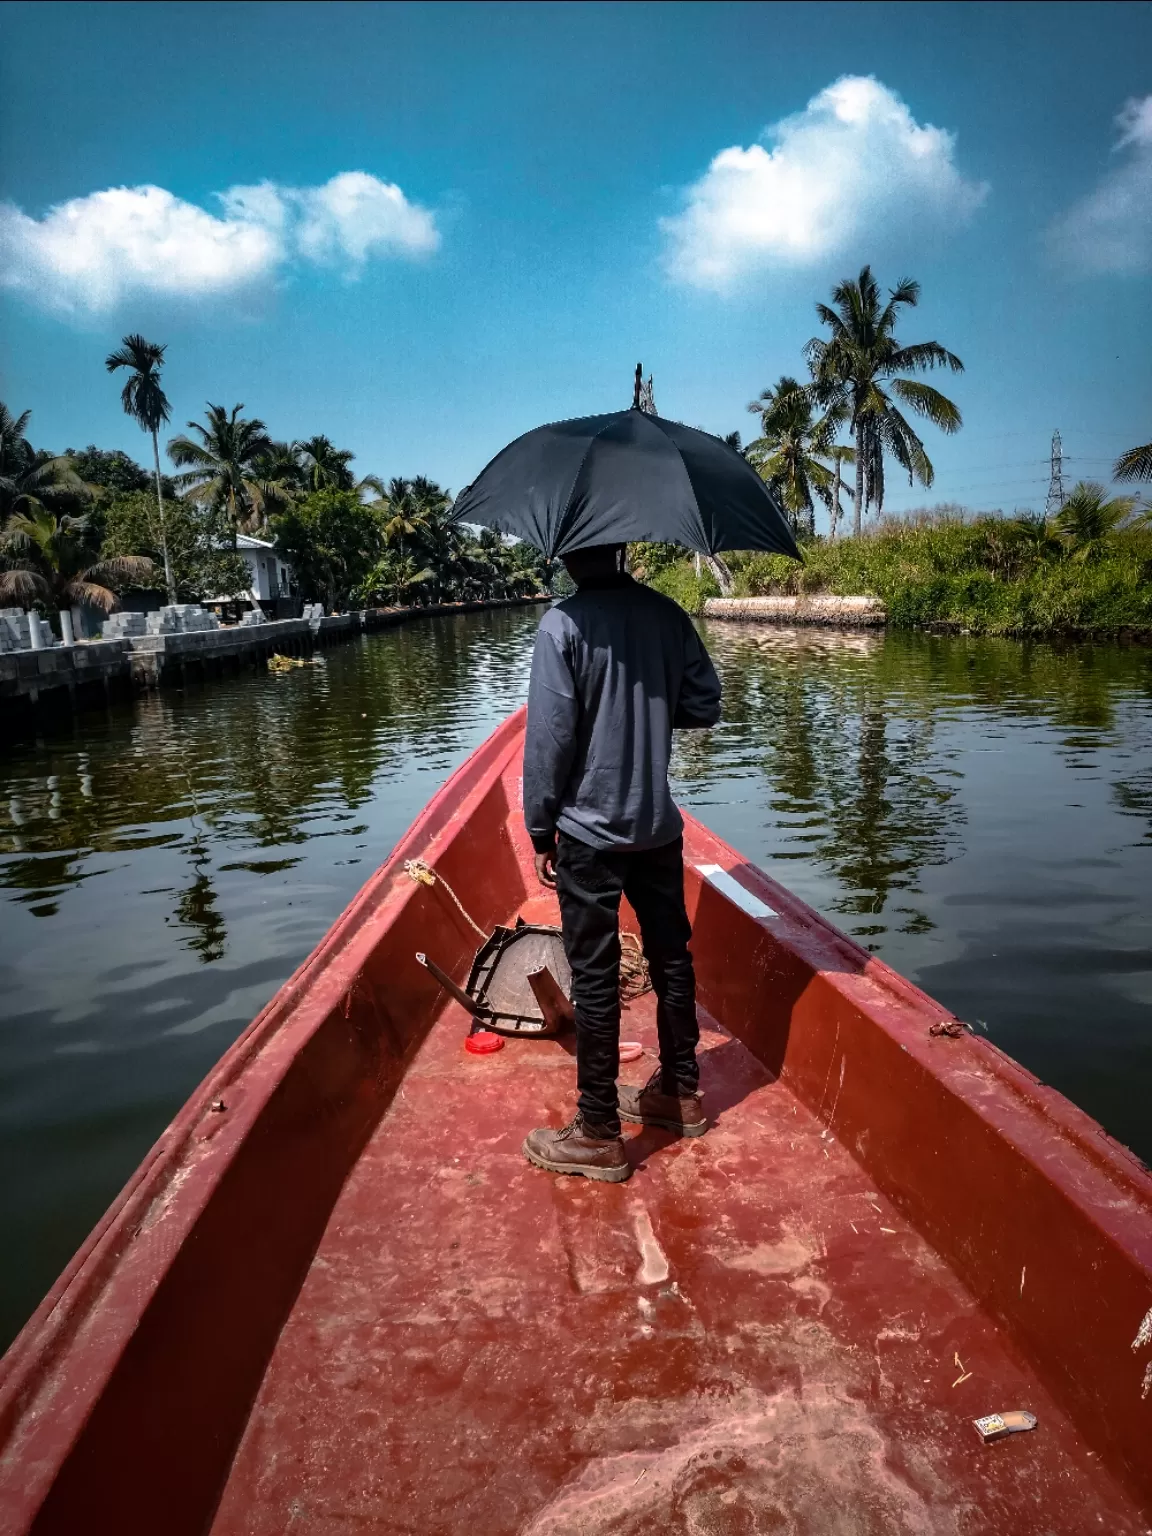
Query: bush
x=681, y=583
x=987, y=575
x=201, y=568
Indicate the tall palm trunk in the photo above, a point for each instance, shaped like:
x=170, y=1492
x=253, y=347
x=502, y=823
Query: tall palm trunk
x=858, y=497
x=168, y=582
x=722, y=574
x=835, y=508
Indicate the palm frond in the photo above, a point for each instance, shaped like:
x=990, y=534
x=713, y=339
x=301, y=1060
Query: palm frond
x=900, y=437
x=82, y=593
x=929, y=403
x=21, y=588
x=1136, y=464
x=135, y=569
x=923, y=355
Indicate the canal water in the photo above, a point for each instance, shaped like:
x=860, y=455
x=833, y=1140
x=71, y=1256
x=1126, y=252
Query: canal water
x=977, y=812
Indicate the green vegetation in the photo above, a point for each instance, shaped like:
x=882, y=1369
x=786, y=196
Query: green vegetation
x=347, y=539
x=50, y=558
x=203, y=565
x=223, y=466
x=1088, y=571
x=330, y=539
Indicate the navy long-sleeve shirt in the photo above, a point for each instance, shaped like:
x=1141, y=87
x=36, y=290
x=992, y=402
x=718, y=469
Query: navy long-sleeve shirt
x=616, y=668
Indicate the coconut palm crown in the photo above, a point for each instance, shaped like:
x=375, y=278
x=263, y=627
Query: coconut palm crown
x=792, y=444
x=143, y=399
x=851, y=368
x=325, y=467
x=1089, y=518
x=224, y=465
x=29, y=479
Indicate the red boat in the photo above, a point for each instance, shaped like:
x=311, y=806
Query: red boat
x=335, y=1298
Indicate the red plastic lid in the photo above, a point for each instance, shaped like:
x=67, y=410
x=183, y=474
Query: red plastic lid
x=483, y=1043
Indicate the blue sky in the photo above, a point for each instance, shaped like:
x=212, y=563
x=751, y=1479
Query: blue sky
x=424, y=229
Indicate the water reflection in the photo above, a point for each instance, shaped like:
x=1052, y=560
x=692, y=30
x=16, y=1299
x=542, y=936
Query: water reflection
x=848, y=765
x=977, y=812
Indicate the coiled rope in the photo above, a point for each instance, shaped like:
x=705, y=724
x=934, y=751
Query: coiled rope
x=634, y=977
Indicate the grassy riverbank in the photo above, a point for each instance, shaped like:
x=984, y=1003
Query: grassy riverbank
x=990, y=576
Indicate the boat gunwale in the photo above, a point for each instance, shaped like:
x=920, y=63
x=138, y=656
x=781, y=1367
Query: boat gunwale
x=57, y=1323
x=1097, y=1144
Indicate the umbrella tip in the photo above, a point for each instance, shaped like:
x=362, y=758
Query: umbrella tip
x=638, y=386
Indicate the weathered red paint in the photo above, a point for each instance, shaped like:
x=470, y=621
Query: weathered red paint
x=345, y=1303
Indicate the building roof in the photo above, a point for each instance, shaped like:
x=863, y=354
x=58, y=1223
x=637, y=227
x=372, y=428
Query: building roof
x=246, y=541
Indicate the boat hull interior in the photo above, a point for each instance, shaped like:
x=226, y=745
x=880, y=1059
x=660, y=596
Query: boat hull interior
x=335, y=1298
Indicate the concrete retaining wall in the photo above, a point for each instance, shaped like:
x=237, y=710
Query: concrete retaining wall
x=838, y=612
x=97, y=668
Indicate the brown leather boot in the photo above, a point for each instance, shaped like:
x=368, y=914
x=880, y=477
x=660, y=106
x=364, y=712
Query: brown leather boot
x=649, y=1105
x=579, y=1148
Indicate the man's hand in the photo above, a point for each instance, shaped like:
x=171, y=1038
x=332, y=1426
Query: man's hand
x=546, y=867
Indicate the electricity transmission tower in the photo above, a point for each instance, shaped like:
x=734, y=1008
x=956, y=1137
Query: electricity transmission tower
x=1056, y=479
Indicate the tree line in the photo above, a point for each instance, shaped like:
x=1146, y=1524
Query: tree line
x=79, y=526
x=82, y=526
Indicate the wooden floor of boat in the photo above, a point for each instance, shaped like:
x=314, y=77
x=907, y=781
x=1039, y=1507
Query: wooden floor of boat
x=743, y=1338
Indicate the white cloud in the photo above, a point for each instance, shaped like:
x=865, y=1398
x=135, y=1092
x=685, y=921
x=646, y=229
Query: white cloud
x=356, y=216
x=93, y=251
x=853, y=162
x=1110, y=230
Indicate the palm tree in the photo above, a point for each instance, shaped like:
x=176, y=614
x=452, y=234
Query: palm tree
x=848, y=369
x=225, y=465
x=1088, y=519
x=145, y=401
x=1136, y=464
x=325, y=466
x=281, y=474
x=792, y=443
x=28, y=478
x=412, y=508
x=51, y=560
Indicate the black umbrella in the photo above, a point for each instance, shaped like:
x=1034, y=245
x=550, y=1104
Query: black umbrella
x=623, y=477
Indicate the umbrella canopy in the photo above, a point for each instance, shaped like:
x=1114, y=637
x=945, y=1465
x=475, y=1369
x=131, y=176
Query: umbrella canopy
x=624, y=477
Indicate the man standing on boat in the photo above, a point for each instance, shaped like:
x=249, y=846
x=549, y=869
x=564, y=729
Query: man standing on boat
x=616, y=668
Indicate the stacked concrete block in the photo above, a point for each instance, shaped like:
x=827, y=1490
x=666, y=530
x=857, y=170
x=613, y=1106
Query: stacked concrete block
x=180, y=619
x=251, y=617
x=20, y=631
x=14, y=634
x=122, y=626
x=313, y=612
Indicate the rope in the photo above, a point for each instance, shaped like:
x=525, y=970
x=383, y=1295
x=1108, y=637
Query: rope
x=417, y=870
x=634, y=977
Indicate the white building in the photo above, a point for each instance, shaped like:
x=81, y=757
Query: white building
x=271, y=578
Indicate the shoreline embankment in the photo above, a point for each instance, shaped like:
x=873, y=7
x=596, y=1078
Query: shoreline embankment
x=91, y=673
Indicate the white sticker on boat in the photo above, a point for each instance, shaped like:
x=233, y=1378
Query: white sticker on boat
x=729, y=886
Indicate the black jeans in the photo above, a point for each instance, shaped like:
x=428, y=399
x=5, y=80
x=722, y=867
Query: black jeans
x=589, y=883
